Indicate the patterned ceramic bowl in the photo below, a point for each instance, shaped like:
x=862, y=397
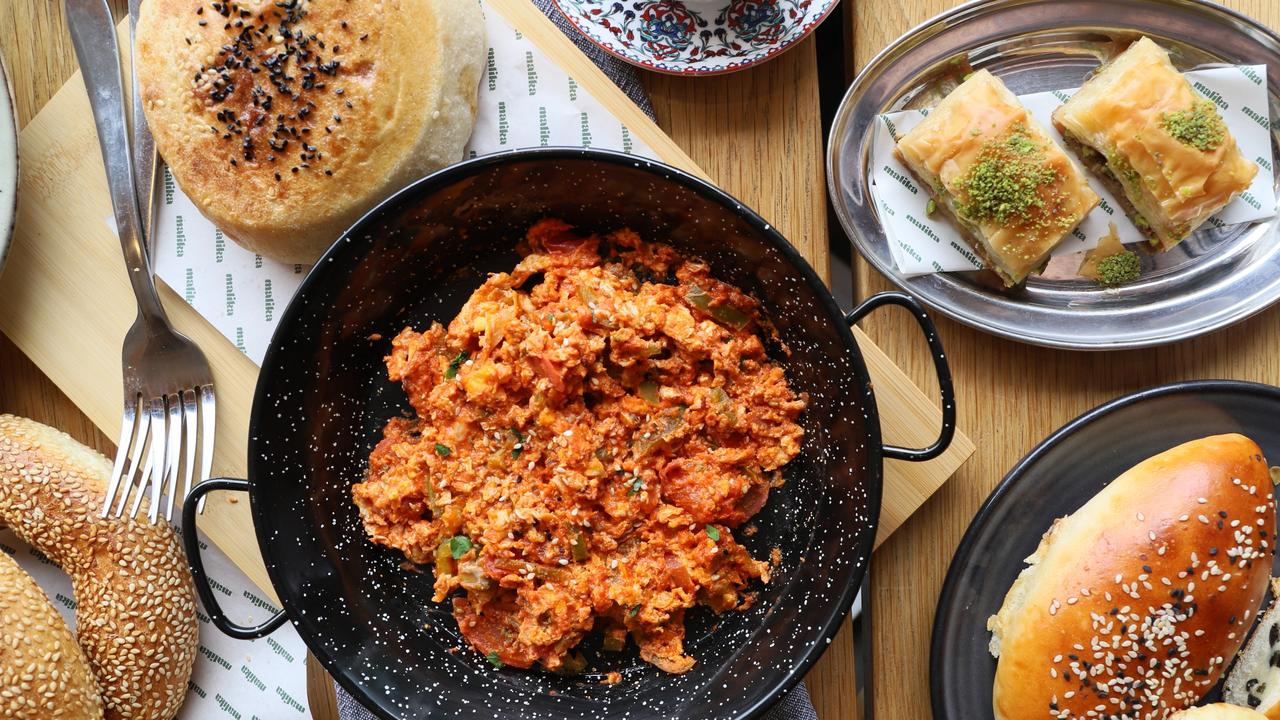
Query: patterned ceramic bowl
x=701, y=37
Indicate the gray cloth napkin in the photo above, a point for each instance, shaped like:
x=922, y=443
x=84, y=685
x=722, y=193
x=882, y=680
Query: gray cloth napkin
x=796, y=705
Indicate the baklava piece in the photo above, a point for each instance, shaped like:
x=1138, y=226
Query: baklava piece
x=1161, y=144
x=999, y=175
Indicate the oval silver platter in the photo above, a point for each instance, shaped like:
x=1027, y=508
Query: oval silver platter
x=1216, y=277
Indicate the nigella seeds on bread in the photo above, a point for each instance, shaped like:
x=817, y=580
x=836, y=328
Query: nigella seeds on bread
x=994, y=169
x=1141, y=125
x=285, y=121
x=1133, y=605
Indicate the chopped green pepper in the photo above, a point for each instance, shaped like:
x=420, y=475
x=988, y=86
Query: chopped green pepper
x=649, y=391
x=494, y=660
x=579, y=545
x=671, y=421
x=443, y=450
x=455, y=363
x=713, y=532
x=635, y=609
x=724, y=405
x=724, y=314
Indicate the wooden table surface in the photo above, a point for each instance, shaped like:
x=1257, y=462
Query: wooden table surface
x=758, y=133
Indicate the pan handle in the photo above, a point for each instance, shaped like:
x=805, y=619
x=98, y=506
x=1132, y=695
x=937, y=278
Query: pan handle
x=191, y=541
x=939, y=364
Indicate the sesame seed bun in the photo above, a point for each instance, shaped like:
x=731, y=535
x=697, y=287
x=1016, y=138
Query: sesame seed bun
x=285, y=124
x=1254, y=678
x=1219, y=711
x=43, y=673
x=1133, y=605
x=135, y=602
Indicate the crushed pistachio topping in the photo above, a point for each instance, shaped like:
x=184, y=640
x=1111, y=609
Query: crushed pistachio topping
x=1200, y=127
x=1007, y=180
x=1120, y=268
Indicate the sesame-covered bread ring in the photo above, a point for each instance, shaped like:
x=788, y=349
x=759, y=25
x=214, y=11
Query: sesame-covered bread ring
x=136, y=607
x=1134, y=605
x=43, y=673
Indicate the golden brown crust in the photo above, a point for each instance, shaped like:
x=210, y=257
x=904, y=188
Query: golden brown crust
x=136, y=605
x=285, y=154
x=973, y=129
x=43, y=673
x=1134, y=604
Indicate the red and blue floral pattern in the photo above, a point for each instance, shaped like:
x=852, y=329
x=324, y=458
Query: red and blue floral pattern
x=667, y=36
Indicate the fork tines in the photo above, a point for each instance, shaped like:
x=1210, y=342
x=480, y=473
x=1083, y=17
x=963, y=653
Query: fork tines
x=158, y=444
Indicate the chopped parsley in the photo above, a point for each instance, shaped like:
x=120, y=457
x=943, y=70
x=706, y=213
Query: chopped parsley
x=1007, y=180
x=459, y=545
x=456, y=363
x=494, y=660
x=713, y=533
x=1200, y=126
x=633, y=611
x=519, y=446
x=443, y=450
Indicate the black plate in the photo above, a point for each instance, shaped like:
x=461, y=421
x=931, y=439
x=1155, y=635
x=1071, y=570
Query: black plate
x=323, y=398
x=1055, y=479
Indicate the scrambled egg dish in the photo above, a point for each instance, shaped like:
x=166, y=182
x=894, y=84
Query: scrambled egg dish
x=590, y=428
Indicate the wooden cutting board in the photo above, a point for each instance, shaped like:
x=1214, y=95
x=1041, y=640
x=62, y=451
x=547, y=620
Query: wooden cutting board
x=65, y=300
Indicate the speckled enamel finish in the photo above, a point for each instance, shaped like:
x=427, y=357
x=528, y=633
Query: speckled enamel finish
x=323, y=398
x=695, y=38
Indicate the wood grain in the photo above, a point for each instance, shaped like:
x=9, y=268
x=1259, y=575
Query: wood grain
x=1010, y=397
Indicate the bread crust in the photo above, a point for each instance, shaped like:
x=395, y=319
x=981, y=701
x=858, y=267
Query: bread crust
x=135, y=601
x=1219, y=711
x=368, y=97
x=1133, y=605
x=43, y=673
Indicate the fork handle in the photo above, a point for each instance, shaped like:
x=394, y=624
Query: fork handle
x=93, y=33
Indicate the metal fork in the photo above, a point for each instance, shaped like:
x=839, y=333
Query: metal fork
x=168, y=386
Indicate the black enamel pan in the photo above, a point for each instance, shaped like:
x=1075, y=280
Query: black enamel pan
x=323, y=397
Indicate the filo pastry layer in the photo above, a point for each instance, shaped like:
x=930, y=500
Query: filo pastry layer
x=1162, y=144
x=999, y=175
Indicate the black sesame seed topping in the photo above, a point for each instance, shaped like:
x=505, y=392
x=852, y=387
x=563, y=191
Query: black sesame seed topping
x=288, y=57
